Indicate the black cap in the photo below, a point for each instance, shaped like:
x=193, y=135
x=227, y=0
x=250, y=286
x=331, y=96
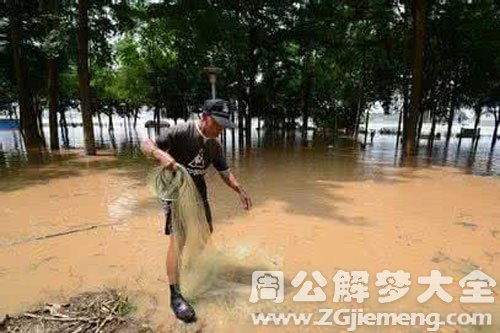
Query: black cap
x=219, y=110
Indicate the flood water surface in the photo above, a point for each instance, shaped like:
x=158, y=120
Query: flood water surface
x=72, y=223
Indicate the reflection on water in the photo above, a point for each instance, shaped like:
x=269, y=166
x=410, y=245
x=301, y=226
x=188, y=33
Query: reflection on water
x=270, y=145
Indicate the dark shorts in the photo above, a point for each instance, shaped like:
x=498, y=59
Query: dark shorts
x=167, y=208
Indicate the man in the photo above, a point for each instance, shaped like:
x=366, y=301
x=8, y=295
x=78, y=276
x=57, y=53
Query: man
x=193, y=145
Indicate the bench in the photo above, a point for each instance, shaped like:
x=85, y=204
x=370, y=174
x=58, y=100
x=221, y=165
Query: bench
x=469, y=133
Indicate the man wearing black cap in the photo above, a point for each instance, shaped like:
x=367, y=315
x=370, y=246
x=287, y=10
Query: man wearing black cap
x=193, y=144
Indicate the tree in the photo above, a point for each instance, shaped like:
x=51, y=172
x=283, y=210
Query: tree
x=419, y=22
x=17, y=14
x=84, y=77
x=54, y=42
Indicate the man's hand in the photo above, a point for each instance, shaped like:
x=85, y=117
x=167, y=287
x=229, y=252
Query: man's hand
x=244, y=198
x=149, y=148
x=230, y=180
x=166, y=160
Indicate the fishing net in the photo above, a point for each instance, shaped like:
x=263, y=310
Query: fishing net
x=188, y=216
x=202, y=265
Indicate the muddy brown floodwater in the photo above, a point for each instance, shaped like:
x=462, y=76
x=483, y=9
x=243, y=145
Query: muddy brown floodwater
x=86, y=223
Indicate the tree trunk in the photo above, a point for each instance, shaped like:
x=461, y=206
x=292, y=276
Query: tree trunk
x=52, y=73
x=240, y=86
x=232, y=134
x=367, y=117
x=336, y=124
x=451, y=115
x=358, y=113
x=84, y=76
x=157, y=119
x=136, y=114
x=232, y=115
x=11, y=111
x=430, y=142
x=248, y=124
x=110, y=122
x=477, y=111
x=62, y=120
x=38, y=112
x=39, y=116
x=495, y=134
x=64, y=128
x=99, y=120
x=251, y=87
x=419, y=21
x=420, y=125
x=240, y=96
x=249, y=111
x=241, y=115
x=406, y=110
x=495, y=130
x=53, y=92
x=305, y=97
x=305, y=92
x=125, y=129
x=399, y=126
x=27, y=112
x=112, y=139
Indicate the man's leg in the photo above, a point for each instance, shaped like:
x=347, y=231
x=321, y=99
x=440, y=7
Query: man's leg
x=173, y=259
x=182, y=309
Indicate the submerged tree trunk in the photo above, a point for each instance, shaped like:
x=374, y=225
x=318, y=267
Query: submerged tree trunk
x=430, y=141
x=84, y=76
x=495, y=134
x=241, y=115
x=496, y=114
x=366, y=124
x=399, y=127
x=419, y=22
x=451, y=116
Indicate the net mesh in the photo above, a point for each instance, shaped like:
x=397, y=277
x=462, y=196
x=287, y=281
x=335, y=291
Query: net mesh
x=188, y=216
x=202, y=265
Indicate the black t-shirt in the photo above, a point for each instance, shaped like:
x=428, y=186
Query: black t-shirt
x=186, y=144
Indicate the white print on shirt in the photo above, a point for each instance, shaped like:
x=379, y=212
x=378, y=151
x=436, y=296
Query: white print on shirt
x=198, y=162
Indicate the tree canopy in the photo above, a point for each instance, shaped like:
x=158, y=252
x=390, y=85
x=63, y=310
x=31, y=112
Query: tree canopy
x=324, y=60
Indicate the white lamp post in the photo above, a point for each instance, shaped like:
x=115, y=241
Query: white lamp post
x=212, y=77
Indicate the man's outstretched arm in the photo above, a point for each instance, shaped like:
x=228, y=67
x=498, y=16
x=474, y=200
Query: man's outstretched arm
x=231, y=181
x=150, y=149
